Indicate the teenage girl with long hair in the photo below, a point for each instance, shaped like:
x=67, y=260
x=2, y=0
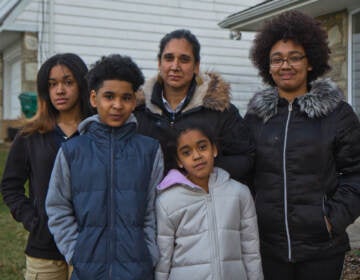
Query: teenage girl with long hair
x=62, y=103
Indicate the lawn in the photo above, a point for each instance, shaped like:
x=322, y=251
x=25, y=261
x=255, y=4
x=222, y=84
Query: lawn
x=12, y=238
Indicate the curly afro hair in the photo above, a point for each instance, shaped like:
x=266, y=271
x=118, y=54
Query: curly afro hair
x=115, y=67
x=300, y=28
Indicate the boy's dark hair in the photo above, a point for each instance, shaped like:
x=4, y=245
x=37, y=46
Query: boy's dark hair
x=181, y=34
x=300, y=28
x=115, y=67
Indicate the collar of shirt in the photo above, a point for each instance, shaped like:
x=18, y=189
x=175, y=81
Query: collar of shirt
x=168, y=107
x=60, y=136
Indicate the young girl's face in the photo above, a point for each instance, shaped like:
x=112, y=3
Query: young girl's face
x=63, y=89
x=196, y=155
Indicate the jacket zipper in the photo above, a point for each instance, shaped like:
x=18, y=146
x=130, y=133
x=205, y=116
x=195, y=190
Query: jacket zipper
x=111, y=214
x=214, y=236
x=285, y=182
x=172, y=120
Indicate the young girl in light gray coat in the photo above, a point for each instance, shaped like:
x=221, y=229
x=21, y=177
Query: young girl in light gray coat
x=207, y=225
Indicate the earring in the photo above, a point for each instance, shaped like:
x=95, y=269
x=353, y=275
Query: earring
x=181, y=166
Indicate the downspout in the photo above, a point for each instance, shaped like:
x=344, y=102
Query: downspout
x=51, y=27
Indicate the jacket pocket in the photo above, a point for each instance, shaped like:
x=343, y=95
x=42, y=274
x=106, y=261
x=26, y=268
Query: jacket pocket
x=40, y=231
x=307, y=222
x=326, y=216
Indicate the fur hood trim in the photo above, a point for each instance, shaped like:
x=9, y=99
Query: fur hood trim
x=212, y=93
x=321, y=100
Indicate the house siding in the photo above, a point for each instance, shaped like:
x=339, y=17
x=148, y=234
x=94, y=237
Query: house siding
x=95, y=28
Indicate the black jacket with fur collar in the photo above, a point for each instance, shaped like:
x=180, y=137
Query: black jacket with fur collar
x=307, y=166
x=207, y=103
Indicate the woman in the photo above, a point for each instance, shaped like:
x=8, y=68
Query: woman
x=180, y=94
x=62, y=104
x=307, y=167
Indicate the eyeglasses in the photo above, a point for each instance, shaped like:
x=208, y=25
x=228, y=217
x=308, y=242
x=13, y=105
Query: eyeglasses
x=293, y=60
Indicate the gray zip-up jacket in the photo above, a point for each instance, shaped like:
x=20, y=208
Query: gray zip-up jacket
x=206, y=235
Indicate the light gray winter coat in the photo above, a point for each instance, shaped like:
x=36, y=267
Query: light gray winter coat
x=206, y=235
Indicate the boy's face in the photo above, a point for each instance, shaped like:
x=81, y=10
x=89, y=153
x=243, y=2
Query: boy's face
x=115, y=100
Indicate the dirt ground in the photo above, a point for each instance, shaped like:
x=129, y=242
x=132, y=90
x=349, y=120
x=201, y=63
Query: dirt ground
x=352, y=265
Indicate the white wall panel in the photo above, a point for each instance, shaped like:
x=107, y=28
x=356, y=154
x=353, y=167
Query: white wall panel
x=92, y=28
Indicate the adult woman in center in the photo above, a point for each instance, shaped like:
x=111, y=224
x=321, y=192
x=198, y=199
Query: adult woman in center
x=180, y=94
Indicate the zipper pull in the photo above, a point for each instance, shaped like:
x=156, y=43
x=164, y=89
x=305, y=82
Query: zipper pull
x=290, y=106
x=173, y=116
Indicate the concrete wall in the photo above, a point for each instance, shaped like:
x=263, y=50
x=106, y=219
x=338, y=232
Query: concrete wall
x=29, y=61
x=29, y=65
x=336, y=25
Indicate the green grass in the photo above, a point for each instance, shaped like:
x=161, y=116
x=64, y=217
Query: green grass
x=356, y=252
x=12, y=238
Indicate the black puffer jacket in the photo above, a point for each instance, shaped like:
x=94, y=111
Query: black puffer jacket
x=307, y=166
x=207, y=103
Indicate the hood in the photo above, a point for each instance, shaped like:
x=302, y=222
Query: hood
x=321, y=100
x=83, y=126
x=212, y=93
x=174, y=177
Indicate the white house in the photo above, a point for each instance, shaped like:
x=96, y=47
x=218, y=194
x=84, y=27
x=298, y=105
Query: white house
x=33, y=30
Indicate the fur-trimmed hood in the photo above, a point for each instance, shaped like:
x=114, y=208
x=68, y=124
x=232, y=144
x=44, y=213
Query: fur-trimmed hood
x=322, y=99
x=212, y=93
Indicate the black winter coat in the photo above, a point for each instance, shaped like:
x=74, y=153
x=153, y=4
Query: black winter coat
x=31, y=158
x=207, y=103
x=307, y=166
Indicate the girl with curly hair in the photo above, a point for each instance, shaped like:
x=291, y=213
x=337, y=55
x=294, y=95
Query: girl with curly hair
x=307, y=170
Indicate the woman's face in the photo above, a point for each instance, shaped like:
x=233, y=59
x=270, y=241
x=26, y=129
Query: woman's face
x=63, y=89
x=177, y=64
x=290, y=76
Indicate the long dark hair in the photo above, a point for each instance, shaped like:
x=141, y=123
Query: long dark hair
x=46, y=114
